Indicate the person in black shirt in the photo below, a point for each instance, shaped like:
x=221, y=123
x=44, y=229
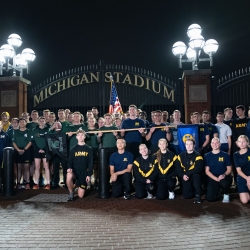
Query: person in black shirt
x=80, y=166
x=164, y=162
x=218, y=171
x=144, y=174
x=239, y=126
x=189, y=166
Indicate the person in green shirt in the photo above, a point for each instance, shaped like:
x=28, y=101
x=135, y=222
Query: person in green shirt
x=108, y=139
x=92, y=141
x=39, y=145
x=30, y=126
x=22, y=143
x=71, y=129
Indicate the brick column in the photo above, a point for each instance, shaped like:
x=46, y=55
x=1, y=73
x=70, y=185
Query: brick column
x=197, y=94
x=13, y=95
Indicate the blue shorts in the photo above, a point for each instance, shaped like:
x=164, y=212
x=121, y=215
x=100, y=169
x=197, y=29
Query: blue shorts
x=242, y=185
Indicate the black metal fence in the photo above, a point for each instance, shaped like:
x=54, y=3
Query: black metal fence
x=231, y=91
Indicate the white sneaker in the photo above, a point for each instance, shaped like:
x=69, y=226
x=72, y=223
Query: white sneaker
x=226, y=198
x=150, y=196
x=171, y=195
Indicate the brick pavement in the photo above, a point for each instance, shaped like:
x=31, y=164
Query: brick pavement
x=94, y=223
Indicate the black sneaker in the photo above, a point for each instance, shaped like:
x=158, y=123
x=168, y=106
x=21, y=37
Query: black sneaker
x=197, y=199
x=71, y=197
x=53, y=187
x=126, y=196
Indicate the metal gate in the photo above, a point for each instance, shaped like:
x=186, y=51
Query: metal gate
x=82, y=88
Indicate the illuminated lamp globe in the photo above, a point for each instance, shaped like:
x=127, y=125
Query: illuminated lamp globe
x=211, y=46
x=179, y=49
x=191, y=54
x=2, y=59
x=14, y=40
x=20, y=61
x=194, y=30
x=28, y=55
x=7, y=51
x=196, y=42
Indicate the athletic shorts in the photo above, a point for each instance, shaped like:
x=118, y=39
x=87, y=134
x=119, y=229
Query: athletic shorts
x=38, y=155
x=80, y=179
x=24, y=158
x=242, y=185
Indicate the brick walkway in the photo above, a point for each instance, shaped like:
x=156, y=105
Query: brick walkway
x=93, y=223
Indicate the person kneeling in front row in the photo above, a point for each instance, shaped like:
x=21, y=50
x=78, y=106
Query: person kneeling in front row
x=144, y=174
x=242, y=164
x=80, y=166
x=164, y=163
x=218, y=169
x=121, y=163
x=189, y=166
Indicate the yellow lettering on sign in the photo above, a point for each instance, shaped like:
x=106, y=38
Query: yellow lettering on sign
x=147, y=83
x=167, y=94
x=72, y=82
x=49, y=90
x=141, y=81
x=59, y=85
x=107, y=78
x=117, y=74
x=153, y=87
x=127, y=79
x=93, y=76
x=84, y=79
x=38, y=99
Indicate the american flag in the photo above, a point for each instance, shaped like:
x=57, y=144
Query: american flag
x=114, y=103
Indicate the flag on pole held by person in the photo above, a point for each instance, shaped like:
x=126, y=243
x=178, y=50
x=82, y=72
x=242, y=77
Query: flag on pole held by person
x=56, y=144
x=114, y=103
x=185, y=132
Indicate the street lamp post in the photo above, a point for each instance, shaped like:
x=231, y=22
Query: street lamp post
x=196, y=44
x=20, y=61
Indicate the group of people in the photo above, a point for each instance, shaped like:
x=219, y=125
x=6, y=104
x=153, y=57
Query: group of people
x=141, y=152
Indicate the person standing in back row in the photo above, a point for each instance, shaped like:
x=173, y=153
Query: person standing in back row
x=133, y=138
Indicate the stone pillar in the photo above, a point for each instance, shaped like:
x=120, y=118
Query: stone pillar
x=13, y=95
x=197, y=91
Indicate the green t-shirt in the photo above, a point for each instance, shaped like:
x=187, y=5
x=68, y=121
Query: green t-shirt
x=73, y=128
x=91, y=140
x=108, y=139
x=38, y=139
x=21, y=138
x=31, y=125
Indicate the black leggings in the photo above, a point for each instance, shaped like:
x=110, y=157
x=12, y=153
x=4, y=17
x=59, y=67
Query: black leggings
x=163, y=186
x=213, y=188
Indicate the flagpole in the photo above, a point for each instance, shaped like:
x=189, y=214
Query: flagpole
x=119, y=130
x=102, y=81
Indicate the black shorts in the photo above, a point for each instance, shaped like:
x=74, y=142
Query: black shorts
x=24, y=158
x=80, y=179
x=38, y=155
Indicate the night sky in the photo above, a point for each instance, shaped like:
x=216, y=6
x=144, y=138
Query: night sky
x=68, y=34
